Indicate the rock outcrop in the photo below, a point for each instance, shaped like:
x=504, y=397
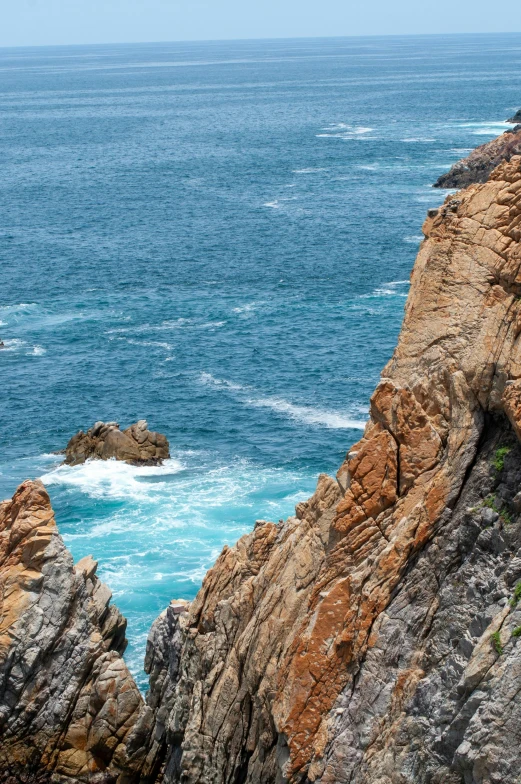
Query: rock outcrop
x=373, y=638
x=482, y=161
x=105, y=441
x=68, y=705
x=516, y=118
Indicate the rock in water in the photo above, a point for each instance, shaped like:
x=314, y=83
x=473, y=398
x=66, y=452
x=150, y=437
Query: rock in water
x=104, y=441
x=482, y=161
x=68, y=704
x=516, y=118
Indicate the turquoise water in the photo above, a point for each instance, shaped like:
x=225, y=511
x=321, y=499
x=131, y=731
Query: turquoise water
x=216, y=237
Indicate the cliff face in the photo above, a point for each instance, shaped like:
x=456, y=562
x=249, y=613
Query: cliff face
x=354, y=642
x=67, y=701
x=371, y=639
x=483, y=160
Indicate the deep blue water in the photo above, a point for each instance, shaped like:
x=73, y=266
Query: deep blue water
x=216, y=237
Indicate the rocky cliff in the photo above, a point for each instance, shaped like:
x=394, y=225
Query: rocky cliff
x=374, y=637
x=483, y=160
x=68, y=704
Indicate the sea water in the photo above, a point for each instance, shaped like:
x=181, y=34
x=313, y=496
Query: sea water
x=216, y=237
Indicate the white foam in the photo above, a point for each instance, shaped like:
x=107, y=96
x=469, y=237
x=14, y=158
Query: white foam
x=310, y=416
x=418, y=139
x=211, y=324
x=38, y=351
x=152, y=343
x=309, y=170
x=414, y=238
x=273, y=204
x=112, y=478
x=249, y=308
x=14, y=344
x=351, y=129
x=208, y=380
x=15, y=308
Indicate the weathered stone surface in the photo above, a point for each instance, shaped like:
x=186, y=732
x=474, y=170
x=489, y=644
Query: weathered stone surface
x=353, y=643
x=105, y=441
x=67, y=701
x=374, y=638
x=483, y=160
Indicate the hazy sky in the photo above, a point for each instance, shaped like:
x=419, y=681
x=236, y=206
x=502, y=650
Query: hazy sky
x=36, y=22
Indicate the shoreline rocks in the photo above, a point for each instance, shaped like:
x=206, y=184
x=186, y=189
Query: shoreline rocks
x=477, y=167
x=516, y=118
x=68, y=704
x=105, y=441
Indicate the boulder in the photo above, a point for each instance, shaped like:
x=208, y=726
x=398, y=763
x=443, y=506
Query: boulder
x=105, y=441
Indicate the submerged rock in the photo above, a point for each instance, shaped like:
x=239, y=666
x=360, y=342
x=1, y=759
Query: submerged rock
x=482, y=161
x=105, y=441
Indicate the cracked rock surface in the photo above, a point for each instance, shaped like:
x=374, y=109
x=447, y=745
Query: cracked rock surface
x=372, y=638
x=67, y=701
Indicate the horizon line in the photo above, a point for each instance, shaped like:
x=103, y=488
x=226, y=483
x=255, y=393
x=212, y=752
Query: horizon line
x=263, y=38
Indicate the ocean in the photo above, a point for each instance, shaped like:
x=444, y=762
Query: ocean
x=216, y=237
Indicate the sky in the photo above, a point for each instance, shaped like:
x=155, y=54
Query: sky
x=52, y=22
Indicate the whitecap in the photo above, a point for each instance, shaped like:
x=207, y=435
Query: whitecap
x=152, y=343
x=14, y=344
x=211, y=324
x=38, y=351
x=249, y=308
x=273, y=204
x=310, y=416
x=418, y=139
x=352, y=129
x=310, y=170
x=414, y=238
x=112, y=478
x=208, y=380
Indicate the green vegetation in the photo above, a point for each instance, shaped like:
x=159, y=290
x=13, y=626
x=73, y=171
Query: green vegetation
x=496, y=642
x=516, y=596
x=490, y=501
x=499, y=458
x=504, y=514
x=517, y=632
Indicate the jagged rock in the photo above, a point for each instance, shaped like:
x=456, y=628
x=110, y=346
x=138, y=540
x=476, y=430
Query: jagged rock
x=482, y=161
x=374, y=638
x=516, y=118
x=68, y=704
x=353, y=643
x=105, y=441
